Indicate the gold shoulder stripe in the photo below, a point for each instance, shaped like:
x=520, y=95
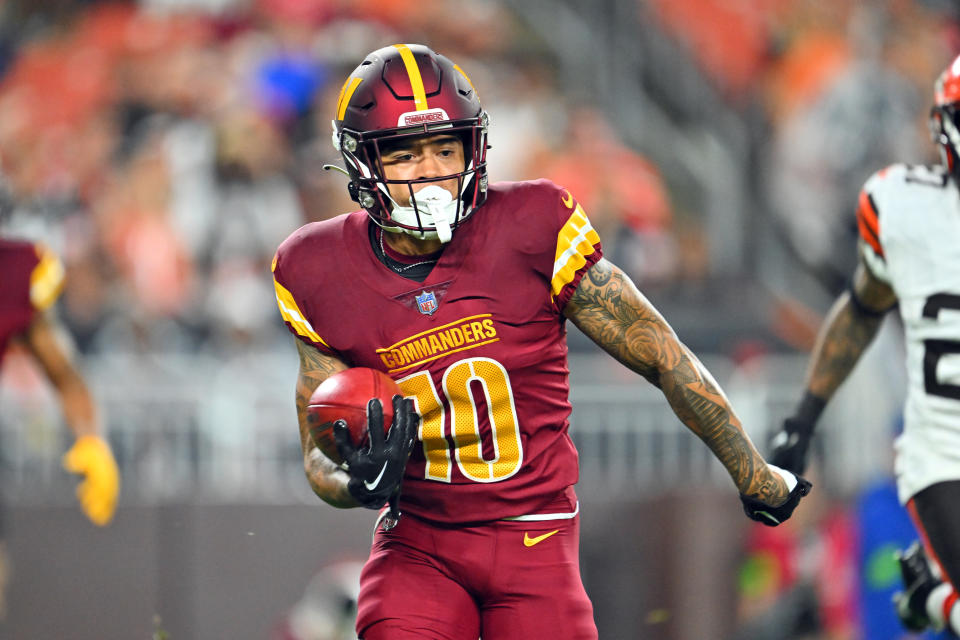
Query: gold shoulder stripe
x=575, y=242
x=416, y=80
x=292, y=314
x=346, y=92
x=46, y=279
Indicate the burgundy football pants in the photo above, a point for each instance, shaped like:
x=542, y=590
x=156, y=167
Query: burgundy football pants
x=500, y=580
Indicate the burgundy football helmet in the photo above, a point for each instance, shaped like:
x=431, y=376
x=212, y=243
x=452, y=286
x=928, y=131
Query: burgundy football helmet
x=944, y=123
x=401, y=91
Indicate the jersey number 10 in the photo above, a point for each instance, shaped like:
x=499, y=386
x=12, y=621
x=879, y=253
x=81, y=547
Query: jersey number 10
x=465, y=421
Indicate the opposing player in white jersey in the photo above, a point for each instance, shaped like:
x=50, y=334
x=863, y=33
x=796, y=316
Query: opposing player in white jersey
x=909, y=223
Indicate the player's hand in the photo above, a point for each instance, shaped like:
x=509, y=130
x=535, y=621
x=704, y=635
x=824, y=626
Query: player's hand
x=90, y=456
x=791, y=445
x=377, y=469
x=770, y=515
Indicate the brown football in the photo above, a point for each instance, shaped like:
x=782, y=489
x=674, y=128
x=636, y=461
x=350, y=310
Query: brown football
x=344, y=395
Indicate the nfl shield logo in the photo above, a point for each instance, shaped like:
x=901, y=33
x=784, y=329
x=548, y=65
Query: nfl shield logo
x=427, y=303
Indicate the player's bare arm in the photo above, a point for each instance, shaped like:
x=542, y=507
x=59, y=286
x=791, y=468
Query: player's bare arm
x=849, y=329
x=53, y=349
x=609, y=308
x=90, y=456
x=326, y=479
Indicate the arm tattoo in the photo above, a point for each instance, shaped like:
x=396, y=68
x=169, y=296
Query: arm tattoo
x=600, y=276
x=847, y=332
x=325, y=478
x=610, y=310
x=315, y=367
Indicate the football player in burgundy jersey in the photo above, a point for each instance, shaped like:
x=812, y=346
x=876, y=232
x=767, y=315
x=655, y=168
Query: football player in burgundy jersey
x=909, y=258
x=459, y=290
x=32, y=279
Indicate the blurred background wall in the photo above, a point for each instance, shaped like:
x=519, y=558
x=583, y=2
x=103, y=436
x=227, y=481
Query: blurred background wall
x=165, y=147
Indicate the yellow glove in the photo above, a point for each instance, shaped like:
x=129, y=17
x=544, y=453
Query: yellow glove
x=91, y=457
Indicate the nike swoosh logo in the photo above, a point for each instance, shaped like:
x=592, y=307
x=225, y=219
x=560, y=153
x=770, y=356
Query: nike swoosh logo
x=567, y=199
x=529, y=542
x=376, y=481
x=768, y=516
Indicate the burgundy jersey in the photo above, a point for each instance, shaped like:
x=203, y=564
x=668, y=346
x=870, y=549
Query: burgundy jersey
x=31, y=280
x=480, y=344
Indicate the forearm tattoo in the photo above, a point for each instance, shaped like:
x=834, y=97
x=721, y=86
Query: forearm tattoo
x=609, y=309
x=325, y=478
x=315, y=367
x=846, y=335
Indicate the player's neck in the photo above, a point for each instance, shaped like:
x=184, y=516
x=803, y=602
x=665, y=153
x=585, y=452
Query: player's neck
x=410, y=246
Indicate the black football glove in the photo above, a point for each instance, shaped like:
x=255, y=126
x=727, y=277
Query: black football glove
x=377, y=469
x=772, y=516
x=790, y=447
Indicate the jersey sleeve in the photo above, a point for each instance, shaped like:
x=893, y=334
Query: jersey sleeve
x=290, y=309
x=46, y=278
x=868, y=227
x=577, y=249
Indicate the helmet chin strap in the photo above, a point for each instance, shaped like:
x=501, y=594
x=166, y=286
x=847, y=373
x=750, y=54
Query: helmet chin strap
x=436, y=207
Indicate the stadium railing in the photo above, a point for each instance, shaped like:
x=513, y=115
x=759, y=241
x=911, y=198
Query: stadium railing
x=200, y=429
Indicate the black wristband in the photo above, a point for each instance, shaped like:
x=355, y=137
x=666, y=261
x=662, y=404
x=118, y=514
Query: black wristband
x=861, y=308
x=809, y=410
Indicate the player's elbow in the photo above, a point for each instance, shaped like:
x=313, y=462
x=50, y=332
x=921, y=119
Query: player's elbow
x=326, y=480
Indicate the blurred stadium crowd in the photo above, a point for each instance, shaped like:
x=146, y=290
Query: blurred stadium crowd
x=165, y=147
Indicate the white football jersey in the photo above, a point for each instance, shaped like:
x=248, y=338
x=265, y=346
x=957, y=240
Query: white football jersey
x=909, y=223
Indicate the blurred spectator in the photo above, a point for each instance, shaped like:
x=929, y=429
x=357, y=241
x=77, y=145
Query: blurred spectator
x=862, y=119
x=133, y=214
x=256, y=205
x=840, y=108
x=729, y=40
x=623, y=192
x=528, y=116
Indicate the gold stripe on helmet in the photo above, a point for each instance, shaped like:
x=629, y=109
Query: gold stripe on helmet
x=469, y=81
x=416, y=80
x=346, y=93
